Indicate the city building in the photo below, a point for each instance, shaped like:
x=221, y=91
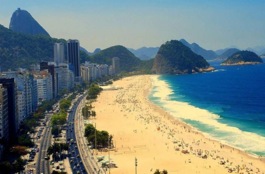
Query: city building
x=65, y=78
x=13, y=125
x=4, y=133
x=93, y=71
x=25, y=92
x=51, y=68
x=73, y=58
x=44, y=85
x=59, y=53
x=116, y=65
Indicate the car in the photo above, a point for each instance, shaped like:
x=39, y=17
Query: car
x=46, y=157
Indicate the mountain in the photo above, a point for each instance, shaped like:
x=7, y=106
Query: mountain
x=145, y=53
x=97, y=50
x=207, y=54
x=22, y=22
x=229, y=52
x=174, y=57
x=258, y=50
x=128, y=61
x=242, y=58
x=22, y=50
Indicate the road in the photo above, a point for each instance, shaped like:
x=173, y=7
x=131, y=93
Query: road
x=86, y=155
x=76, y=163
x=42, y=165
x=80, y=156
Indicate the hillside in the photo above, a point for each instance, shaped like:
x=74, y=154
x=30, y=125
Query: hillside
x=22, y=50
x=207, y=54
x=22, y=22
x=128, y=62
x=174, y=57
x=242, y=58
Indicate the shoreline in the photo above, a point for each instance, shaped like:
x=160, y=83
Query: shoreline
x=206, y=135
x=161, y=136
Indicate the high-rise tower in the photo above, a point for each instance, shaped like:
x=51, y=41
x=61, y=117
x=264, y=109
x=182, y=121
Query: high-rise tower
x=116, y=64
x=73, y=57
x=58, y=53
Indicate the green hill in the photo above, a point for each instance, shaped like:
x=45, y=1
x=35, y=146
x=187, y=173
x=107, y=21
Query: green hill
x=174, y=57
x=243, y=57
x=128, y=62
x=22, y=50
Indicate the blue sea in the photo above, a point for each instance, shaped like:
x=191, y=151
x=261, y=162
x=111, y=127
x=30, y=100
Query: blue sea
x=228, y=104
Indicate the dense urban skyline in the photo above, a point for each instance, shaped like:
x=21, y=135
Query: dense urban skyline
x=134, y=24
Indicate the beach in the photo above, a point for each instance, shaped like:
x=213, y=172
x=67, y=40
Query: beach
x=145, y=132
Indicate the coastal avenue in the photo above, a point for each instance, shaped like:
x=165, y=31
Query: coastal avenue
x=77, y=143
x=86, y=154
x=80, y=156
x=43, y=165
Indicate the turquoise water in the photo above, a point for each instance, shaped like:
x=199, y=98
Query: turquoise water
x=229, y=104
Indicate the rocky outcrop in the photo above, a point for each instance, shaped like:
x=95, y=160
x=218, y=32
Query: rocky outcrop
x=22, y=22
x=243, y=58
x=174, y=57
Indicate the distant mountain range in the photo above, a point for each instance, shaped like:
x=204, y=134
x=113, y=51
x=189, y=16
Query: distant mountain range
x=227, y=53
x=207, y=54
x=26, y=43
x=23, y=22
x=145, y=53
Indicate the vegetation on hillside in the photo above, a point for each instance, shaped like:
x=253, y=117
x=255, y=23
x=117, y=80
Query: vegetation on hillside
x=128, y=61
x=22, y=50
x=243, y=57
x=174, y=57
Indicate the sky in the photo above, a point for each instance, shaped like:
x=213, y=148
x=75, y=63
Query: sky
x=213, y=24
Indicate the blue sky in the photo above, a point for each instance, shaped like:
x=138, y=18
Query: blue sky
x=213, y=24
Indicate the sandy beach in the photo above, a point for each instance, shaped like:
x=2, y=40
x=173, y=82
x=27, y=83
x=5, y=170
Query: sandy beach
x=144, y=131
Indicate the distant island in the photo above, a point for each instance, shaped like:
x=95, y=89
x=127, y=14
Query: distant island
x=243, y=58
x=174, y=57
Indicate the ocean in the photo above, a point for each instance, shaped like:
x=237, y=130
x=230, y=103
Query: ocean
x=227, y=105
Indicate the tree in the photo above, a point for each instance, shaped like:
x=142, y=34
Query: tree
x=93, y=91
x=103, y=137
x=85, y=111
x=5, y=167
x=25, y=140
x=65, y=104
x=162, y=172
x=93, y=113
x=18, y=165
x=89, y=130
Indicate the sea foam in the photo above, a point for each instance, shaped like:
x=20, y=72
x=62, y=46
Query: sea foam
x=206, y=122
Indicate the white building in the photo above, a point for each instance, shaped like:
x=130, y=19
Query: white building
x=92, y=71
x=25, y=92
x=44, y=85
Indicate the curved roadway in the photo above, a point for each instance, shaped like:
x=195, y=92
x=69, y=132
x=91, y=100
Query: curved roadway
x=43, y=165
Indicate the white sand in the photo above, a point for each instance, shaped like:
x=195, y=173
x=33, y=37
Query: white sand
x=144, y=131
